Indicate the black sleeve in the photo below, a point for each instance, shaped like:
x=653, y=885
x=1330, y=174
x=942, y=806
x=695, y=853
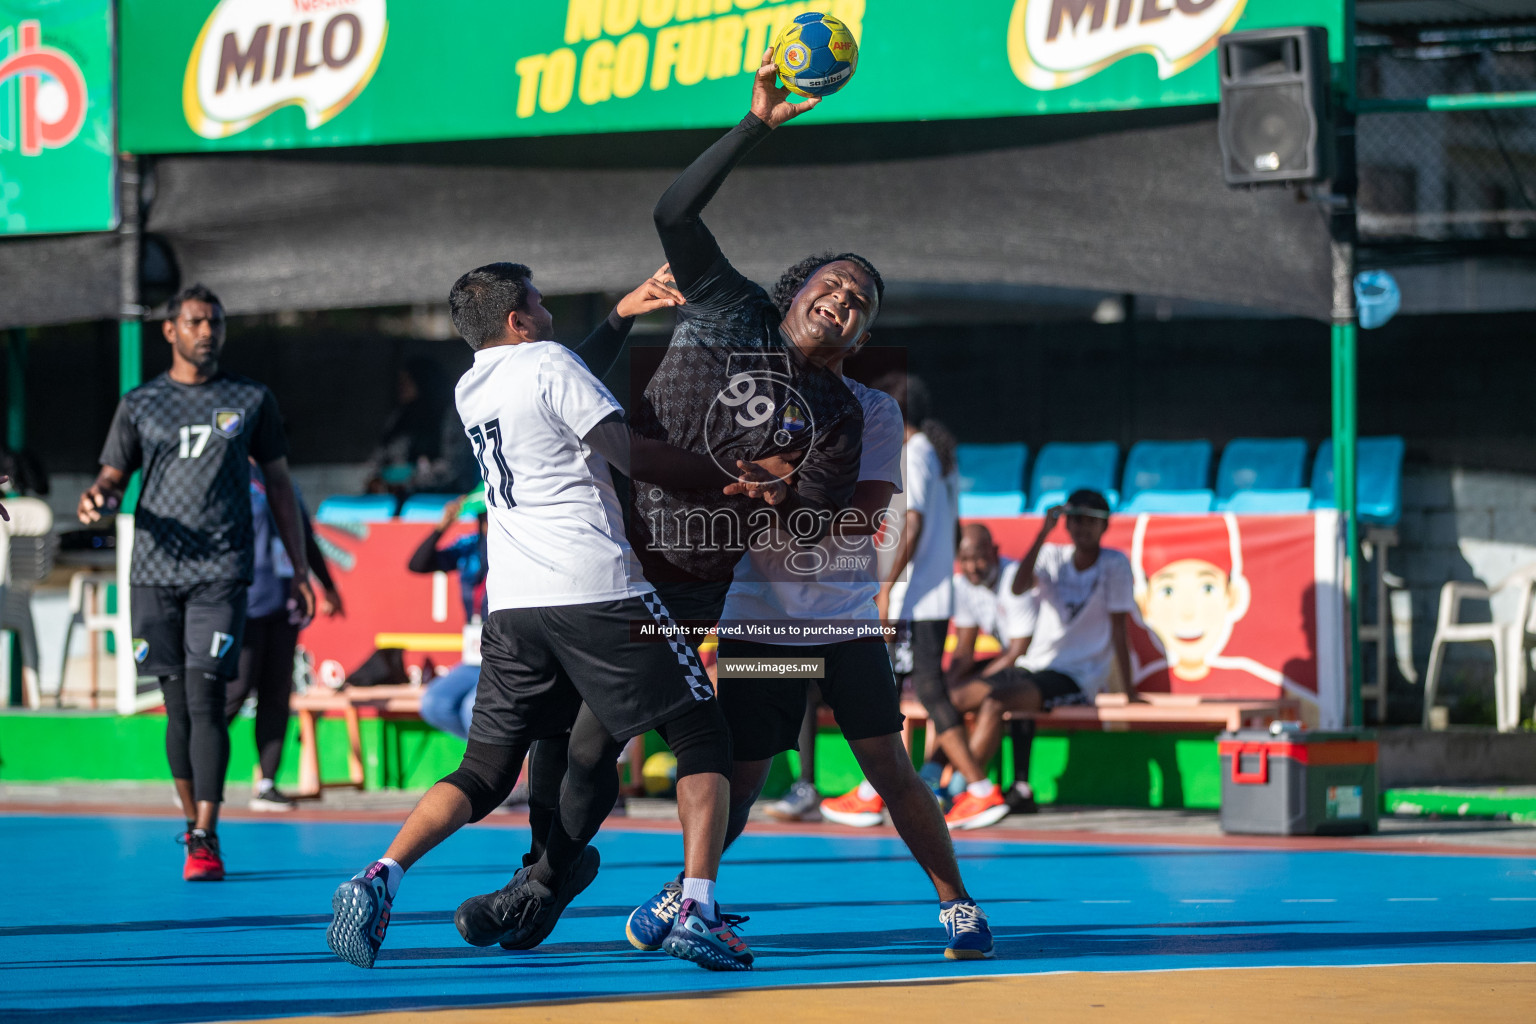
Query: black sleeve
x=827, y=476
x=268, y=443
x=122, y=450
x=312, y=552
x=602, y=347
x=703, y=274
x=427, y=558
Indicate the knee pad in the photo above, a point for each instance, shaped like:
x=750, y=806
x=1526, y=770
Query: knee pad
x=934, y=697
x=700, y=740
x=486, y=776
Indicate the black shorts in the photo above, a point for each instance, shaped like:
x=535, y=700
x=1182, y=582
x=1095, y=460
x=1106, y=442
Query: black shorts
x=192, y=628
x=765, y=713
x=918, y=649
x=695, y=604
x=539, y=665
x=1057, y=689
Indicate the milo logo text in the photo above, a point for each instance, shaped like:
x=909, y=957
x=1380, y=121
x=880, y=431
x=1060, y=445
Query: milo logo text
x=1055, y=43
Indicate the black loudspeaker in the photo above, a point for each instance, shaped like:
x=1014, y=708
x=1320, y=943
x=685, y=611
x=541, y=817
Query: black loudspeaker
x=1274, y=123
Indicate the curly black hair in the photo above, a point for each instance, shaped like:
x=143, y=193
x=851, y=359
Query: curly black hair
x=793, y=279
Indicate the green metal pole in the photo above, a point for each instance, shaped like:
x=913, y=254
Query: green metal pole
x=1344, y=231
x=130, y=325
x=16, y=440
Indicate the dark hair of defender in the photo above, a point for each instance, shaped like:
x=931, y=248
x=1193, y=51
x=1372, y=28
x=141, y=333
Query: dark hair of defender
x=482, y=299
x=793, y=279
x=192, y=293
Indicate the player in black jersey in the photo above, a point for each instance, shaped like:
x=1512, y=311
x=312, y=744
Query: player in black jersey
x=740, y=380
x=191, y=431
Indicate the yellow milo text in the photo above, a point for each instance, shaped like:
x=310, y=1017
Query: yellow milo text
x=629, y=45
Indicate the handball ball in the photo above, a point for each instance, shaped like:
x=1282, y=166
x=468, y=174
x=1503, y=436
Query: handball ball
x=659, y=773
x=816, y=55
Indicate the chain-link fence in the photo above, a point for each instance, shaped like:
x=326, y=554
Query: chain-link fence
x=1448, y=176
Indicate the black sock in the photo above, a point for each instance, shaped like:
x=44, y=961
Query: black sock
x=1022, y=730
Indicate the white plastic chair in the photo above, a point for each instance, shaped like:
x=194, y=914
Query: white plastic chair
x=1512, y=641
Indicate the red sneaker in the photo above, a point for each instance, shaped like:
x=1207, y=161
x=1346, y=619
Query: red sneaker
x=852, y=809
x=971, y=811
x=203, y=861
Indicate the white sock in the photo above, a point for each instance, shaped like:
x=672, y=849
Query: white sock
x=393, y=877
x=702, y=892
x=982, y=788
x=265, y=786
x=866, y=791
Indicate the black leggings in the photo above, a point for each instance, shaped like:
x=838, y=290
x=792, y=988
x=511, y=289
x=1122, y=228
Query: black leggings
x=928, y=674
x=196, y=732
x=266, y=669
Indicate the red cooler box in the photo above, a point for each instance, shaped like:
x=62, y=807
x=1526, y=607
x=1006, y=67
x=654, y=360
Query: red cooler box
x=1298, y=783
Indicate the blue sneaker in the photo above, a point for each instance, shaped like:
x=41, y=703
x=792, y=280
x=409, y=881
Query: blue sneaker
x=360, y=916
x=713, y=945
x=648, y=926
x=966, y=926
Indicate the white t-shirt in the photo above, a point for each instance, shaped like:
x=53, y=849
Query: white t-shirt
x=927, y=594
x=556, y=526
x=1073, y=633
x=996, y=610
x=834, y=582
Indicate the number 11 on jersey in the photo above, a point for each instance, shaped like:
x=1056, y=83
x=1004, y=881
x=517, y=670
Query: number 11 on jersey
x=488, y=436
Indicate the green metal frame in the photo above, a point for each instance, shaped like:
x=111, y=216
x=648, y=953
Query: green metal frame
x=1345, y=362
x=1443, y=103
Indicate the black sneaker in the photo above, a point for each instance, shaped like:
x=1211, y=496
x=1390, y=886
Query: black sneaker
x=522, y=913
x=271, y=800
x=1021, y=802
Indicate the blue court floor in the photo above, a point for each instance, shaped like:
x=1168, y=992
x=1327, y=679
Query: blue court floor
x=96, y=924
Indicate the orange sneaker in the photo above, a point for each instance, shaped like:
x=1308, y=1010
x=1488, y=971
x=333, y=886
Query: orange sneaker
x=971, y=811
x=852, y=809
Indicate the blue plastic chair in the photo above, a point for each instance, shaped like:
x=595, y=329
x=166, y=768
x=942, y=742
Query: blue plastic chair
x=1061, y=469
x=1165, y=466
x=991, y=468
x=356, y=508
x=1378, y=479
x=1261, y=464
x=991, y=506
x=1276, y=502
x=1166, y=502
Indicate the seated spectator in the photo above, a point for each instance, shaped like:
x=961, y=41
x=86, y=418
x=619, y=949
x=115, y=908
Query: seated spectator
x=423, y=448
x=1079, y=648
x=449, y=701
x=272, y=625
x=985, y=603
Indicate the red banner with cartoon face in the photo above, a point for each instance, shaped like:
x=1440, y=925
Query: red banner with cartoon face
x=1226, y=606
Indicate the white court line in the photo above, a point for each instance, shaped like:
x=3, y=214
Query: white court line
x=1309, y=901
x=1412, y=899
x=1207, y=901
x=1513, y=899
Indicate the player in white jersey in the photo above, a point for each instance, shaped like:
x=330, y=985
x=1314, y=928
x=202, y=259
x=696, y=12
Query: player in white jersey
x=575, y=640
x=818, y=603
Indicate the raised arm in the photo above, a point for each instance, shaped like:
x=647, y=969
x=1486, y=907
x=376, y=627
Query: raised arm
x=689, y=246
x=1024, y=579
x=601, y=348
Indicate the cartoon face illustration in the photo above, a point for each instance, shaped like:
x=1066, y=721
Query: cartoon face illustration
x=1190, y=591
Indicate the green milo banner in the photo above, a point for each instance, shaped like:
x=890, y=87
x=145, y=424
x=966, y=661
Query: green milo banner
x=57, y=170
x=260, y=74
